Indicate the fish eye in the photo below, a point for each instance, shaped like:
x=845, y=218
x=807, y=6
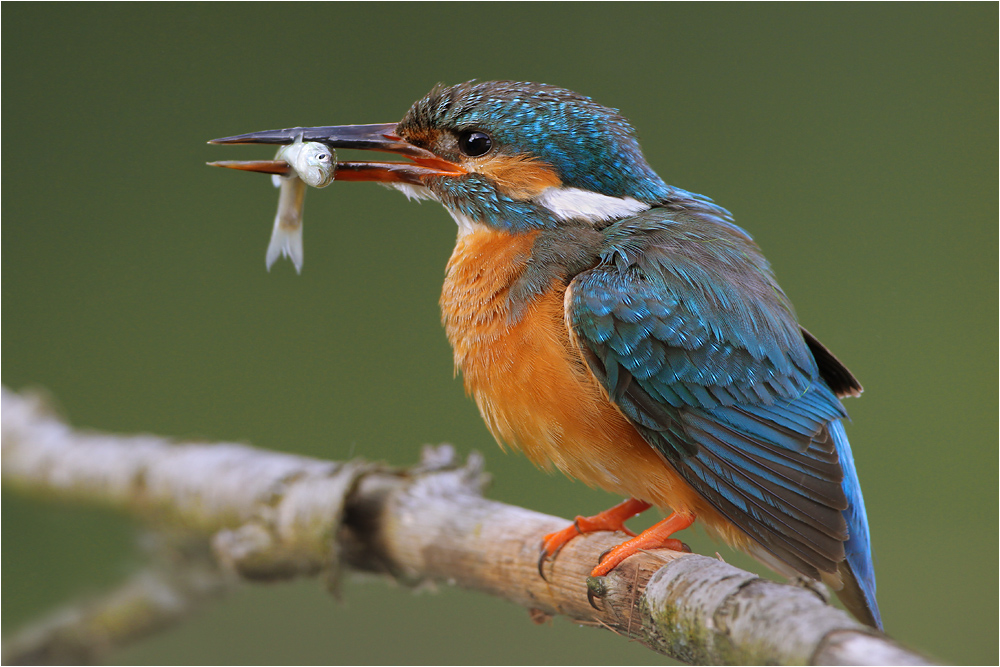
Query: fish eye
x=474, y=143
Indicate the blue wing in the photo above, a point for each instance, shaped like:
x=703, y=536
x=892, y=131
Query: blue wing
x=686, y=328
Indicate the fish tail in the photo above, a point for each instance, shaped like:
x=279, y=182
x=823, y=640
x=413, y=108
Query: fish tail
x=285, y=243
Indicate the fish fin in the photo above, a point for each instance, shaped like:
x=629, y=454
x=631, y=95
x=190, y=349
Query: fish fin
x=285, y=243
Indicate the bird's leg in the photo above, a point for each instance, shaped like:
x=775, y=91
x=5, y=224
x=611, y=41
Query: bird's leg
x=655, y=537
x=609, y=519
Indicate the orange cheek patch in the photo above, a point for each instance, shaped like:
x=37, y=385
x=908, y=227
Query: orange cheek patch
x=518, y=176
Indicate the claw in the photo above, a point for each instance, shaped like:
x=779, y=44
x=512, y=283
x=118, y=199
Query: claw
x=657, y=537
x=595, y=589
x=612, y=519
x=542, y=557
x=553, y=543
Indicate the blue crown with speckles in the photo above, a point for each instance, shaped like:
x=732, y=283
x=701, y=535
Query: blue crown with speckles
x=591, y=146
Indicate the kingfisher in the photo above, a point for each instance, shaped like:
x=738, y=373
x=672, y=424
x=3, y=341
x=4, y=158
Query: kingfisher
x=624, y=331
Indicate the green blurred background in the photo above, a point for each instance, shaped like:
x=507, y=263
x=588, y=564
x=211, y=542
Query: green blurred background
x=857, y=143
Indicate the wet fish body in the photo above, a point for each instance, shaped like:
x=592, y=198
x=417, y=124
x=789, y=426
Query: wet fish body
x=313, y=164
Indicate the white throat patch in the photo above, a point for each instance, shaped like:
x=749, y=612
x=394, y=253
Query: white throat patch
x=564, y=203
x=574, y=203
x=417, y=192
x=466, y=225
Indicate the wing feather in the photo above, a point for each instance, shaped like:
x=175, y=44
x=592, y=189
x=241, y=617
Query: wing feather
x=685, y=327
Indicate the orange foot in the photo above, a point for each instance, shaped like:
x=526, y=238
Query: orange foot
x=655, y=537
x=610, y=519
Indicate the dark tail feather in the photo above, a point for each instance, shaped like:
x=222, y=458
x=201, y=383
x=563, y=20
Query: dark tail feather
x=857, y=599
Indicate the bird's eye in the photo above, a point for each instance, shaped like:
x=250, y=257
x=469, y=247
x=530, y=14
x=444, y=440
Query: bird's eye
x=474, y=143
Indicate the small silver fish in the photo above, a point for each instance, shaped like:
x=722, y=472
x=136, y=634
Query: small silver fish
x=313, y=164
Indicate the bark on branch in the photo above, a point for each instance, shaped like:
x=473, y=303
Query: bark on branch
x=269, y=515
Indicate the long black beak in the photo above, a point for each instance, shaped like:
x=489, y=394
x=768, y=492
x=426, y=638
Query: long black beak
x=375, y=137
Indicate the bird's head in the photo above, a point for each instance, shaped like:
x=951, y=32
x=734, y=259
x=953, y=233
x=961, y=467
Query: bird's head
x=508, y=155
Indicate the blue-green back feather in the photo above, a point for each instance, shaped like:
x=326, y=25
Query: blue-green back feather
x=684, y=324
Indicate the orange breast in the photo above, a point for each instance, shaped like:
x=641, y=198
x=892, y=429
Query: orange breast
x=531, y=385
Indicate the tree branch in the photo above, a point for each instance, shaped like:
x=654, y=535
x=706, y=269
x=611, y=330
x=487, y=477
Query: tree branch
x=271, y=516
x=183, y=577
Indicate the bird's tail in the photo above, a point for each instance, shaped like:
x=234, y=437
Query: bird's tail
x=857, y=571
